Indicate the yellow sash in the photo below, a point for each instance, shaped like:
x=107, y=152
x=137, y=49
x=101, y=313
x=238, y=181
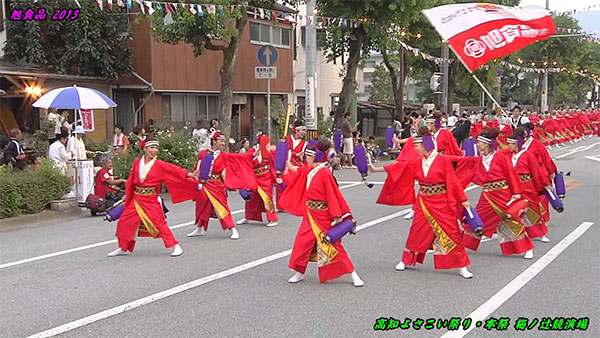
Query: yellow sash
x=509, y=230
x=325, y=252
x=266, y=200
x=148, y=225
x=442, y=244
x=222, y=212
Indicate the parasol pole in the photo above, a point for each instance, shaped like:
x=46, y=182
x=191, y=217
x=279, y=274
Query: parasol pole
x=76, y=157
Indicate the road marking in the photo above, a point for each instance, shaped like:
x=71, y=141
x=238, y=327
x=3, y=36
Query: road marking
x=95, y=245
x=577, y=150
x=594, y=158
x=487, y=308
x=184, y=287
x=357, y=182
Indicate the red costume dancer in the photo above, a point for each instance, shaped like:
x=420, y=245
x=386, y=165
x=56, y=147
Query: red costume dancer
x=444, y=141
x=143, y=214
x=501, y=186
x=296, y=146
x=547, y=167
x=534, y=179
x=437, y=206
x=261, y=200
x=229, y=171
x=315, y=196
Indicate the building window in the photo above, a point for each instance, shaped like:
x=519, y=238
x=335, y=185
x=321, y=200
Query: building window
x=262, y=34
x=189, y=107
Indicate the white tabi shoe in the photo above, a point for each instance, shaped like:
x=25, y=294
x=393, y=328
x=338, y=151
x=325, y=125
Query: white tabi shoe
x=234, y=234
x=543, y=239
x=528, y=254
x=296, y=277
x=242, y=221
x=199, y=231
x=272, y=224
x=177, y=251
x=464, y=273
x=410, y=215
x=356, y=280
x=117, y=252
x=401, y=266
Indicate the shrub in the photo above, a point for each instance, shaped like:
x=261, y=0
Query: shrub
x=29, y=191
x=97, y=146
x=40, y=142
x=178, y=148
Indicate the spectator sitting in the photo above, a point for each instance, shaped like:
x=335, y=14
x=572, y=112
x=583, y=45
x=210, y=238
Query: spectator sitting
x=35, y=160
x=373, y=149
x=5, y=157
x=16, y=150
x=105, y=185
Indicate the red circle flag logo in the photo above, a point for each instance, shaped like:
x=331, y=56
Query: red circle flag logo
x=474, y=48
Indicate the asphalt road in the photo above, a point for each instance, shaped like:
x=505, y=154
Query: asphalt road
x=56, y=279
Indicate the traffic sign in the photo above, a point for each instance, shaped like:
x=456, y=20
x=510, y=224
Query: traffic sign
x=267, y=55
x=265, y=72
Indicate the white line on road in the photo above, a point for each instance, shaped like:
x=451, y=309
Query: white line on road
x=482, y=312
x=184, y=287
x=577, y=150
x=95, y=245
x=593, y=158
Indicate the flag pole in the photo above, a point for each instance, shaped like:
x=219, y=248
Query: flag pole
x=489, y=95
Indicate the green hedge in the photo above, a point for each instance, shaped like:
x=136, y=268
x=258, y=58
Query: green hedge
x=28, y=191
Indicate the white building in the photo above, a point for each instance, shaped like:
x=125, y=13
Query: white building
x=328, y=80
x=410, y=85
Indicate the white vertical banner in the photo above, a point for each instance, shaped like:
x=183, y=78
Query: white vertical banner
x=309, y=114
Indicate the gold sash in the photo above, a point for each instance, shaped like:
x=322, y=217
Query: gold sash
x=222, y=212
x=442, y=244
x=325, y=252
x=147, y=225
x=266, y=200
x=509, y=230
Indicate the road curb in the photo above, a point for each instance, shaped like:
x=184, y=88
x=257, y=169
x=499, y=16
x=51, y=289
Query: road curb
x=46, y=216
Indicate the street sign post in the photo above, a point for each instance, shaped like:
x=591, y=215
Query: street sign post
x=267, y=56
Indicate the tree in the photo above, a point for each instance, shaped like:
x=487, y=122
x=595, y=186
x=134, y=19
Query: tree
x=381, y=90
x=358, y=40
x=219, y=31
x=93, y=44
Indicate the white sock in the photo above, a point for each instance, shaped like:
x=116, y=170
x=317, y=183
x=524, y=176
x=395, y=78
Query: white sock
x=401, y=266
x=410, y=215
x=528, y=254
x=199, y=231
x=234, y=234
x=272, y=224
x=242, y=221
x=177, y=251
x=296, y=277
x=544, y=239
x=356, y=279
x=464, y=272
x=117, y=252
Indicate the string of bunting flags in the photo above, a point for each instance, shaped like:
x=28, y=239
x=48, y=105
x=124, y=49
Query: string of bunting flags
x=512, y=66
x=590, y=8
x=149, y=7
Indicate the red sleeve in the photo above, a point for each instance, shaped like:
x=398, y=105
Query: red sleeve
x=293, y=199
x=408, y=151
x=514, y=182
x=129, y=186
x=452, y=147
x=181, y=188
x=549, y=164
x=399, y=186
x=539, y=175
x=466, y=170
x=239, y=172
x=335, y=200
x=456, y=194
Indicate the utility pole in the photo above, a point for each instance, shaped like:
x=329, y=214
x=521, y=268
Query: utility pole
x=544, y=103
x=310, y=118
x=444, y=69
